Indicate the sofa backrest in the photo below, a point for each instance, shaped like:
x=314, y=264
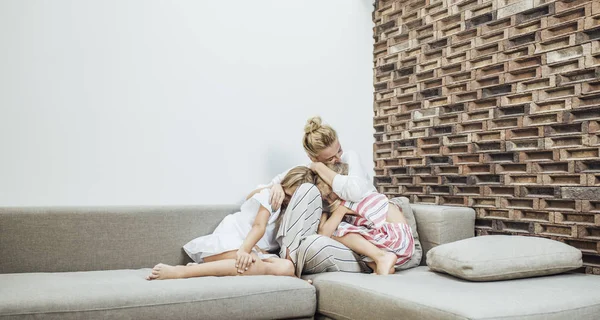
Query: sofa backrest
x=60, y=239
x=437, y=225
x=102, y=238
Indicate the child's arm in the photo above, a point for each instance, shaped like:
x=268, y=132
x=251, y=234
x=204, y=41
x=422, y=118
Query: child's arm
x=244, y=259
x=324, y=218
x=328, y=227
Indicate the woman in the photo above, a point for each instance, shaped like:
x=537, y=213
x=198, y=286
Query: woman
x=322, y=146
x=312, y=253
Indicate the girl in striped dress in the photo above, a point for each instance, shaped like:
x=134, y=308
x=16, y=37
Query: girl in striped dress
x=372, y=227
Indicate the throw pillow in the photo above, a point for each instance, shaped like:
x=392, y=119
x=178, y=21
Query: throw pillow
x=503, y=257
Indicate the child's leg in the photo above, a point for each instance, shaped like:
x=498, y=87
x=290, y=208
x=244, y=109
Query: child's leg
x=384, y=261
x=217, y=268
x=279, y=267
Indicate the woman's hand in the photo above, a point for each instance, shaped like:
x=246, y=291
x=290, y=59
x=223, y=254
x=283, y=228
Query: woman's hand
x=277, y=195
x=314, y=166
x=243, y=261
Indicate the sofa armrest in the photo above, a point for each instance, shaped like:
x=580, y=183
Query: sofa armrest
x=442, y=224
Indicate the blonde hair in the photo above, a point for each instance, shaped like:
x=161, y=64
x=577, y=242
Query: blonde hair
x=325, y=189
x=297, y=176
x=317, y=136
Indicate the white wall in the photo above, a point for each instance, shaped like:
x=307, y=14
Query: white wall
x=173, y=102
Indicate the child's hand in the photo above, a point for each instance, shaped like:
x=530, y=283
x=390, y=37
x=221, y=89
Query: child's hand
x=243, y=261
x=277, y=195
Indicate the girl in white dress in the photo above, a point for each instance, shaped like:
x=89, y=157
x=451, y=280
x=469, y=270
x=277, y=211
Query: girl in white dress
x=242, y=242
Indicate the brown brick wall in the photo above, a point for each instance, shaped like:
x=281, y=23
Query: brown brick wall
x=493, y=104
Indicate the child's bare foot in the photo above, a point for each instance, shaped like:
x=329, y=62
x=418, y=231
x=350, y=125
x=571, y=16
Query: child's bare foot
x=164, y=271
x=385, y=264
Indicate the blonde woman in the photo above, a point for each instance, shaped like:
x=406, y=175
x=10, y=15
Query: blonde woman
x=242, y=244
x=322, y=146
x=310, y=252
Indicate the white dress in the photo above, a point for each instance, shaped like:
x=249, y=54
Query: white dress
x=232, y=231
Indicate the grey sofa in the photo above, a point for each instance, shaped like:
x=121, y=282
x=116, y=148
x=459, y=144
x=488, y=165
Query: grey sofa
x=90, y=263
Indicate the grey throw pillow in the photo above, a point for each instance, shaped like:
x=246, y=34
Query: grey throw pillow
x=404, y=205
x=500, y=257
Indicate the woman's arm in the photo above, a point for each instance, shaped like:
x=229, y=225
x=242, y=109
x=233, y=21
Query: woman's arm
x=325, y=173
x=328, y=227
x=244, y=258
x=357, y=184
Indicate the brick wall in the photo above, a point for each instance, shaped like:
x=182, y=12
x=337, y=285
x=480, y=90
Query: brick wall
x=493, y=104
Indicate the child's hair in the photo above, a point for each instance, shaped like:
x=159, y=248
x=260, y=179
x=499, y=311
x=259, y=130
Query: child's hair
x=325, y=189
x=317, y=136
x=296, y=177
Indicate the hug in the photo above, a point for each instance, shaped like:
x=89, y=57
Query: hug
x=325, y=216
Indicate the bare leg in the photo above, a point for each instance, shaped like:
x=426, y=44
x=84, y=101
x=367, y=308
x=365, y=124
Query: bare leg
x=221, y=256
x=213, y=268
x=384, y=261
x=279, y=267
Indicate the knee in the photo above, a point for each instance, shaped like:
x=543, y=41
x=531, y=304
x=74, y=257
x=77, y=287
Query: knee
x=288, y=269
x=307, y=189
x=314, y=243
x=285, y=268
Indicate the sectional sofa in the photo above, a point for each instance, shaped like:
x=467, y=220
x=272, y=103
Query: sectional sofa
x=91, y=263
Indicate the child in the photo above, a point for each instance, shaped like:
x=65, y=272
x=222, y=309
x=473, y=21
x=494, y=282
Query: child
x=371, y=227
x=241, y=243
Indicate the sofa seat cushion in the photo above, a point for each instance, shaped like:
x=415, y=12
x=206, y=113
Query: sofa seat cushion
x=125, y=294
x=419, y=293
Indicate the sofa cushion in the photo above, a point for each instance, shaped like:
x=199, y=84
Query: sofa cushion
x=502, y=257
x=404, y=205
x=125, y=294
x=419, y=293
x=442, y=224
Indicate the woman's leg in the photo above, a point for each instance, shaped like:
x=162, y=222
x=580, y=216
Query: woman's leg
x=384, y=261
x=318, y=253
x=301, y=219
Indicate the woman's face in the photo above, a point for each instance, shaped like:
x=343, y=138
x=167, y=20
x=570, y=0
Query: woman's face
x=331, y=154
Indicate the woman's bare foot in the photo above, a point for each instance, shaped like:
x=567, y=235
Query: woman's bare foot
x=385, y=264
x=163, y=271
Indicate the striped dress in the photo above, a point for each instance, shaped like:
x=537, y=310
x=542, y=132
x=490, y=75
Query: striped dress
x=370, y=222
